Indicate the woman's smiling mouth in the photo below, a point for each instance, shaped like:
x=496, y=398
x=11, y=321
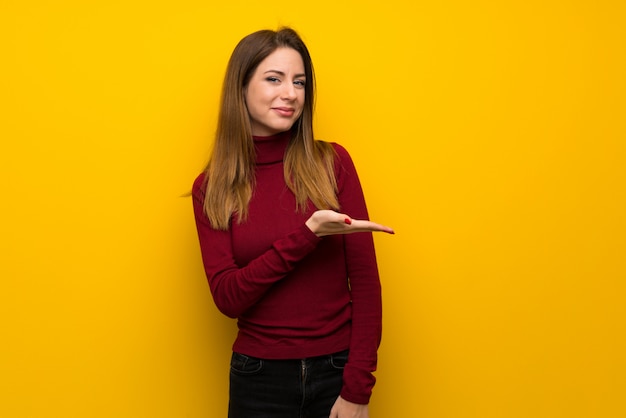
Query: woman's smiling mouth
x=284, y=111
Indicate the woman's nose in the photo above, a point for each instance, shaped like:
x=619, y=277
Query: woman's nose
x=289, y=91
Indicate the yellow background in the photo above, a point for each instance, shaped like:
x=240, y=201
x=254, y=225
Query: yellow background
x=489, y=134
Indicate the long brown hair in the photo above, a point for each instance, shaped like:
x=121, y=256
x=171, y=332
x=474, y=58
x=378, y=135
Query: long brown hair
x=230, y=172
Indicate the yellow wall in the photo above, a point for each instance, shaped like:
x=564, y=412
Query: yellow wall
x=491, y=135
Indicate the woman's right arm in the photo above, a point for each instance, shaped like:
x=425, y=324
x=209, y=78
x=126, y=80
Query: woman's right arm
x=235, y=289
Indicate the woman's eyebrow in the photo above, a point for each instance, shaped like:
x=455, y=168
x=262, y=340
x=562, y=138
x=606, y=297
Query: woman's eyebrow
x=283, y=74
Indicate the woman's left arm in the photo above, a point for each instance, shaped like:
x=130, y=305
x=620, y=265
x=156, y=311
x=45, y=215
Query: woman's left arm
x=365, y=288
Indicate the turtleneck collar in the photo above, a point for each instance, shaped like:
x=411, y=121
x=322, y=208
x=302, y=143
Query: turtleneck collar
x=271, y=149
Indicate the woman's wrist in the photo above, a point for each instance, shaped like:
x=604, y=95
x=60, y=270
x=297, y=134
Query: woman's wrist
x=312, y=225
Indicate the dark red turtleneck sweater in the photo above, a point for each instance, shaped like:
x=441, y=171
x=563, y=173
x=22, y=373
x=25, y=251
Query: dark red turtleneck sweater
x=296, y=295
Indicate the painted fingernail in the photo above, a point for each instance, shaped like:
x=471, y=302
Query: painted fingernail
x=348, y=221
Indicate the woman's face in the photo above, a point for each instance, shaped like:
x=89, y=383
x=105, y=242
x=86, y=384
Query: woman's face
x=275, y=94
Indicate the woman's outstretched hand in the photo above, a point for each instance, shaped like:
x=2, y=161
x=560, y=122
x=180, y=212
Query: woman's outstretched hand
x=329, y=222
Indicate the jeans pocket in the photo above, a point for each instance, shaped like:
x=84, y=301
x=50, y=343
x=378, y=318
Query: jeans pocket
x=339, y=360
x=245, y=365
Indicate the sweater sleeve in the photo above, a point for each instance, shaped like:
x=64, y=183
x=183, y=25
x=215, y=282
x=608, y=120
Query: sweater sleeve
x=235, y=289
x=358, y=378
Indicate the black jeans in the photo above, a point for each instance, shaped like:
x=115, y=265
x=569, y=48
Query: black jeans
x=305, y=388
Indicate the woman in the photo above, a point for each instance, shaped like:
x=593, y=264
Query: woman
x=277, y=214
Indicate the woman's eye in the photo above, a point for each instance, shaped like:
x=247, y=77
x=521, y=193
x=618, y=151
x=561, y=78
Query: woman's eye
x=272, y=79
x=299, y=83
